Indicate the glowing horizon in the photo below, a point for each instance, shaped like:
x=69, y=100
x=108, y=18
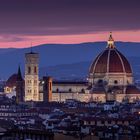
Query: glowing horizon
x=124, y=36
x=67, y=21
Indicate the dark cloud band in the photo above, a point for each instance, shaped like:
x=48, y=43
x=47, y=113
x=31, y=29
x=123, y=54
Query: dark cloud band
x=60, y=17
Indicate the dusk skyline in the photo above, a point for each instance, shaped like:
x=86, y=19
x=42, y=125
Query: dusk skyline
x=67, y=21
x=70, y=69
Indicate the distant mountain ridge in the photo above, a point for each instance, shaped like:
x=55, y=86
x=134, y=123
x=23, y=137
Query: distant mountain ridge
x=55, y=56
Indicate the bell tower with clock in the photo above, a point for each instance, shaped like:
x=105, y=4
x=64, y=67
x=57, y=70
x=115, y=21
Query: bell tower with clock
x=31, y=76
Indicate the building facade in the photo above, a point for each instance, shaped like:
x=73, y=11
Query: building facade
x=31, y=77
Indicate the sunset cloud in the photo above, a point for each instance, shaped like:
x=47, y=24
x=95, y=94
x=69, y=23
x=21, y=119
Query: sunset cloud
x=28, y=20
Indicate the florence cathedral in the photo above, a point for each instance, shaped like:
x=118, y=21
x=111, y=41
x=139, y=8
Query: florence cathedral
x=110, y=78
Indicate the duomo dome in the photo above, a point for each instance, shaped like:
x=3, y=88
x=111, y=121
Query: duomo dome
x=111, y=67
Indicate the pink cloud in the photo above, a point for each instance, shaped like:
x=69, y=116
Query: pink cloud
x=126, y=36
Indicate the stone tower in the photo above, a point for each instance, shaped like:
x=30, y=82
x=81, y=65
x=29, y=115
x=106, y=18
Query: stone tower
x=31, y=76
x=47, y=89
x=19, y=87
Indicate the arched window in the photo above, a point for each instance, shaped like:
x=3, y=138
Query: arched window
x=115, y=82
x=100, y=82
x=29, y=70
x=70, y=90
x=35, y=69
x=57, y=90
x=82, y=90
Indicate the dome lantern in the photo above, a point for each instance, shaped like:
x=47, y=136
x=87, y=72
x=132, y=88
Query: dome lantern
x=110, y=42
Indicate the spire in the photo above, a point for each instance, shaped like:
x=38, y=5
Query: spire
x=31, y=50
x=110, y=42
x=19, y=77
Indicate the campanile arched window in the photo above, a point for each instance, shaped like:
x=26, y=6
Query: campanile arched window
x=35, y=69
x=29, y=70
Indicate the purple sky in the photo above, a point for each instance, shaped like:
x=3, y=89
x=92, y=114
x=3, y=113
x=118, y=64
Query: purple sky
x=67, y=21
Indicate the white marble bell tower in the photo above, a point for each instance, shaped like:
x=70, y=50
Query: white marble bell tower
x=31, y=76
